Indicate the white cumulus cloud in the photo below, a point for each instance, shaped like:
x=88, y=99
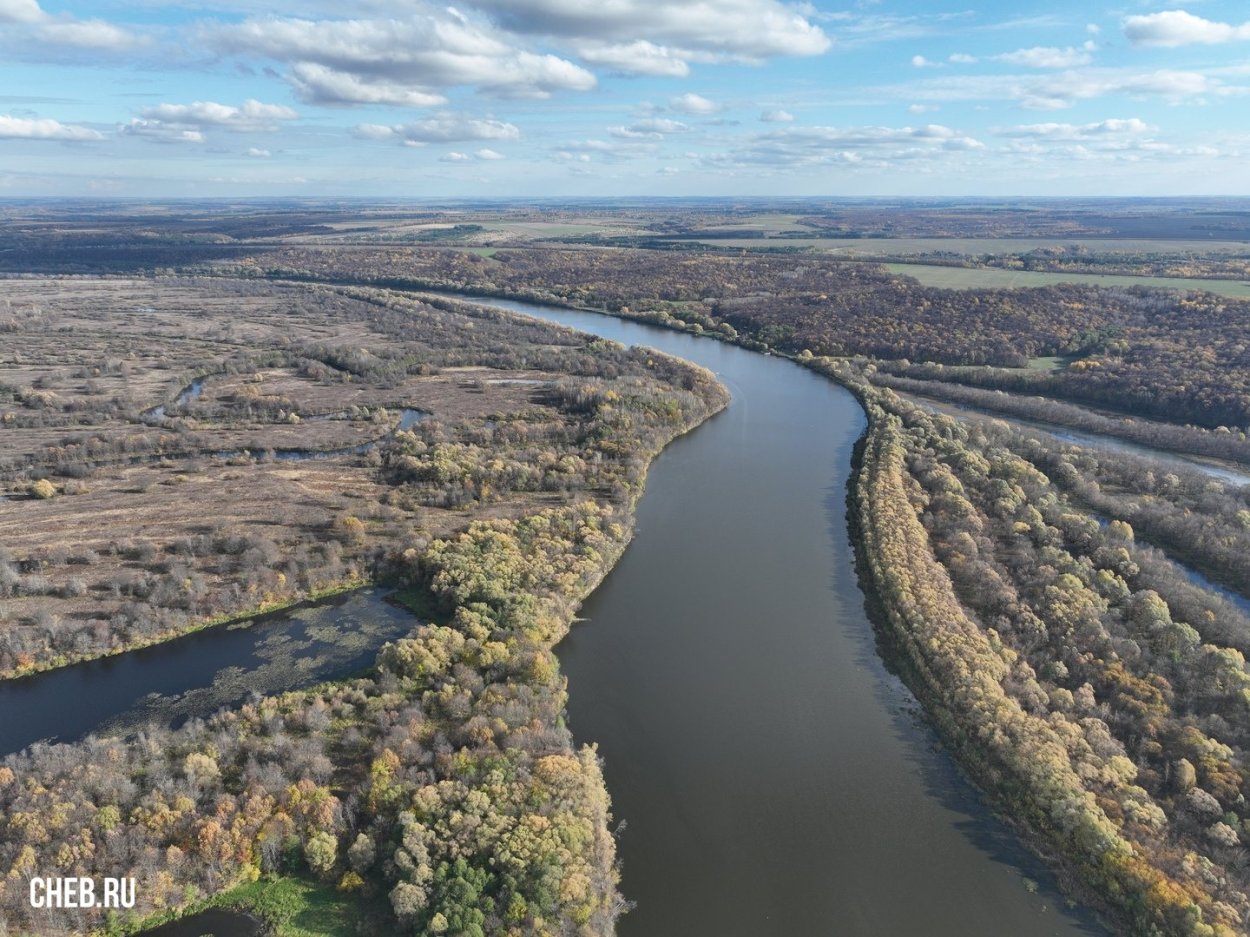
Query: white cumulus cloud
x=35, y=23
x=441, y=128
x=744, y=30
x=251, y=115
x=23, y=128
x=1049, y=57
x=1131, y=126
x=693, y=104
x=794, y=147
x=652, y=128
x=160, y=132
x=407, y=61
x=636, y=58
x=322, y=85
x=1172, y=28
x=20, y=11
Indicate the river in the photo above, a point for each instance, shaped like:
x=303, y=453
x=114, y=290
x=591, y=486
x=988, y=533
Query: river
x=1170, y=461
x=773, y=777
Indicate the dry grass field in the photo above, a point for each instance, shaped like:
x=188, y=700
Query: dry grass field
x=177, y=451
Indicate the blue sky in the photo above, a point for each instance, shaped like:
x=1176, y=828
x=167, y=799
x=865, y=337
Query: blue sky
x=622, y=97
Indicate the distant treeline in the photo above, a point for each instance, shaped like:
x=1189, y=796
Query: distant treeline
x=1181, y=357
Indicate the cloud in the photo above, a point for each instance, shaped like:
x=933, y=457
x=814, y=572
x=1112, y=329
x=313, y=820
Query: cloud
x=858, y=29
x=1060, y=89
x=454, y=157
x=488, y=154
x=1173, y=28
x=745, y=30
x=1048, y=57
x=1113, y=127
x=921, y=108
x=777, y=117
x=87, y=34
x=919, y=61
x=962, y=58
x=636, y=58
x=21, y=128
x=1116, y=139
x=250, y=116
x=257, y=152
x=186, y=123
x=585, y=151
x=64, y=29
x=318, y=84
x=20, y=11
x=814, y=146
x=694, y=104
x=653, y=128
x=160, y=132
x=406, y=62
x=441, y=128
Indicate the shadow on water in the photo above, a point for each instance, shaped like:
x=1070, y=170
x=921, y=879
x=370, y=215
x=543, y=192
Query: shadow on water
x=195, y=675
x=942, y=777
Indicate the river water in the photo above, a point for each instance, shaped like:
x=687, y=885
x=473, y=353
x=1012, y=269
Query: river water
x=197, y=674
x=1169, y=460
x=773, y=777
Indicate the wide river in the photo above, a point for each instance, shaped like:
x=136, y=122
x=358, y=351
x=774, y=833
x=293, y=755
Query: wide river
x=772, y=776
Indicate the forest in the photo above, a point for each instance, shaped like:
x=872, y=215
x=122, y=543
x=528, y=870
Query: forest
x=1081, y=675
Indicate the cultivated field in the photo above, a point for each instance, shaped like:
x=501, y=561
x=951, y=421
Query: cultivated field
x=963, y=278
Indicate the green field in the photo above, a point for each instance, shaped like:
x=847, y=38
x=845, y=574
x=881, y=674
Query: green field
x=541, y=230
x=962, y=278
x=1049, y=363
x=1017, y=245
x=296, y=907
x=878, y=247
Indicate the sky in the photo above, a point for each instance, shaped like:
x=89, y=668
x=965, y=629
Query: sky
x=600, y=98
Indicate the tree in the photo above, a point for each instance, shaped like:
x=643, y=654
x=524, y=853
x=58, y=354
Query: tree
x=321, y=851
x=43, y=489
